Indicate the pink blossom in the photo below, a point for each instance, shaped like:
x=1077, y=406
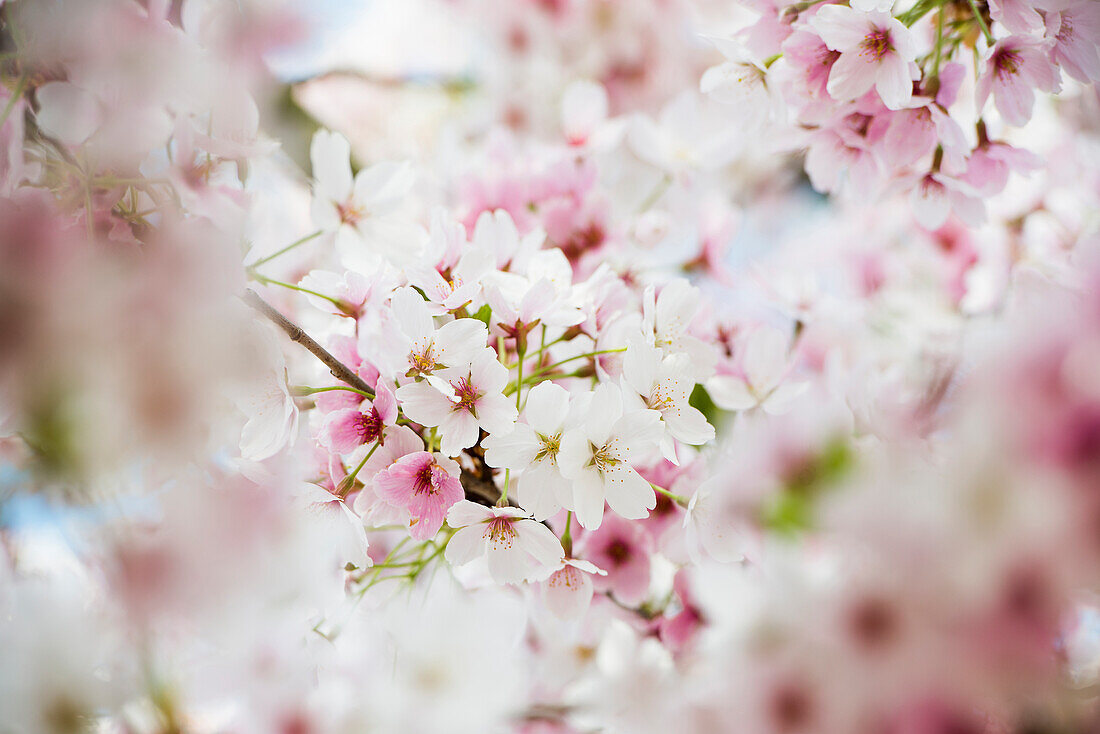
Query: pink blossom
x=679, y=630
x=347, y=429
x=876, y=50
x=1014, y=68
x=622, y=548
x=1076, y=34
x=1018, y=16
x=426, y=484
x=991, y=162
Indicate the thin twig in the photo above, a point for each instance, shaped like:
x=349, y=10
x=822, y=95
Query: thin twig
x=338, y=369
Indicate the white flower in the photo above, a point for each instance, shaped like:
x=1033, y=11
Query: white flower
x=664, y=384
x=690, y=133
x=741, y=83
x=496, y=233
x=765, y=365
x=532, y=448
x=665, y=321
x=595, y=456
x=427, y=348
x=517, y=548
x=568, y=591
x=460, y=400
x=364, y=212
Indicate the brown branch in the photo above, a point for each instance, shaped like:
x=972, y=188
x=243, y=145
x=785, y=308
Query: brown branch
x=338, y=369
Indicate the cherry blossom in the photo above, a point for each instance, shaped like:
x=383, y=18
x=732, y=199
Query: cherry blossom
x=517, y=548
x=763, y=383
x=427, y=485
x=531, y=449
x=875, y=51
x=364, y=211
x=1013, y=69
x=595, y=457
x=460, y=401
x=568, y=591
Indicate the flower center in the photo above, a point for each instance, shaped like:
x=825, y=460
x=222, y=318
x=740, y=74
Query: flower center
x=1007, y=63
x=424, y=482
x=603, y=458
x=422, y=358
x=368, y=426
x=548, y=447
x=350, y=213
x=466, y=396
x=500, y=531
x=877, y=44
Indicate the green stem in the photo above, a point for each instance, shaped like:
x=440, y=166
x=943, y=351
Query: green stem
x=503, y=501
x=286, y=249
x=938, y=50
x=519, y=381
x=682, y=501
x=349, y=481
x=270, y=281
x=981, y=22
x=552, y=367
x=567, y=536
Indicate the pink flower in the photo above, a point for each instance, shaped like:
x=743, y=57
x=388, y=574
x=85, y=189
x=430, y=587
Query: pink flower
x=622, y=548
x=400, y=442
x=678, y=631
x=427, y=485
x=1018, y=16
x=914, y=133
x=1013, y=69
x=1076, y=34
x=517, y=548
x=349, y=428
x=991, y=162
x=876, y=50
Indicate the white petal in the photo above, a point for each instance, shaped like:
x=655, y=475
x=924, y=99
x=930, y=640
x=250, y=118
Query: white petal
x=514, y=449
x=460, y=341
x=588, y=499
x=546, y=408
x=424, y=404
x=628, y=494
x=330, y=154
x=687, y=424
x=568, y=593
x=465, y=545
x=840, y=28
x=765, y=357
x=605, y=409
x=730, y=393
x=540, y=542
x=459, y=430
x=465, y=512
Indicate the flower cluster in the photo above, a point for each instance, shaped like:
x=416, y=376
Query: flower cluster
x=492, y=367
x=875, y=89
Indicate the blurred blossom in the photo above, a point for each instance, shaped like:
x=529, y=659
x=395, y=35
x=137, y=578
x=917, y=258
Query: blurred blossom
x=549, y=366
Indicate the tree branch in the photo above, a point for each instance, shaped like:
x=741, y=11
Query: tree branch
x=338, y=369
